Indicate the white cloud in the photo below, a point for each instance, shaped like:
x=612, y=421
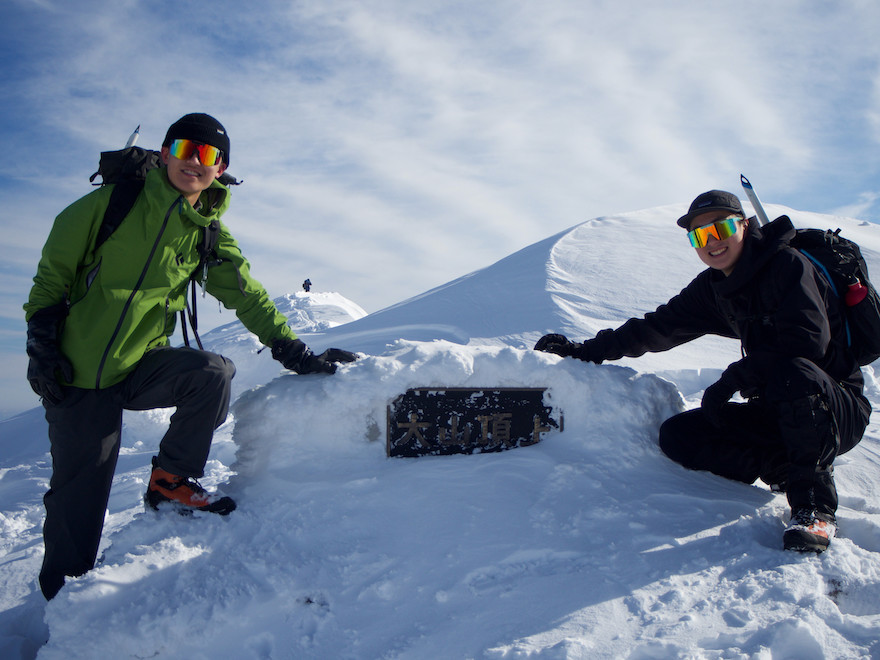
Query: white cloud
x=865, y=203
x=390, y=146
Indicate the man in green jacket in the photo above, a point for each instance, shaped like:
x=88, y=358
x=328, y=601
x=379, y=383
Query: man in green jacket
x=99, y=321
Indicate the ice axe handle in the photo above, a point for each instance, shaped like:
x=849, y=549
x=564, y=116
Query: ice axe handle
x=753, y=198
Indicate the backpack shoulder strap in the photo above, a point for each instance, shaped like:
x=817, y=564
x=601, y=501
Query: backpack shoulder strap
x=211, y=237
x=207, y=257
x=122, y=199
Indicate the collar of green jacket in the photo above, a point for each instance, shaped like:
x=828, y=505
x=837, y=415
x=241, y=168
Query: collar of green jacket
x=213, y=202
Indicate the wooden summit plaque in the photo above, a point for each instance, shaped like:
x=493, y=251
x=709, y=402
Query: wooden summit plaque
x=463, y=420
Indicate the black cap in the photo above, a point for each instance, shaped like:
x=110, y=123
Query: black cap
x=201, y=128
x=714, y=200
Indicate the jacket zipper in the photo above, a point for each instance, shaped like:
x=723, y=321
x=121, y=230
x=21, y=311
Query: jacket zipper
x=134, y=291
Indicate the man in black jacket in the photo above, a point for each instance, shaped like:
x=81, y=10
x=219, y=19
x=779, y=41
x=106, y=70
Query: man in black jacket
x=803, y=386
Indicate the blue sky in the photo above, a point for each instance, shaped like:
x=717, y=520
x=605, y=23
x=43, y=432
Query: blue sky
x=390, y=146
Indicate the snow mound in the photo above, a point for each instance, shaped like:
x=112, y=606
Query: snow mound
x=349, y=411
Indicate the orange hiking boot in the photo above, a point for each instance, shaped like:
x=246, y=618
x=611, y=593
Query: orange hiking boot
x=809, y=531
x=185, y=494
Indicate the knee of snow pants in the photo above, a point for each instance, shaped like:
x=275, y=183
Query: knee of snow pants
x=692, y=441
x=198, y=384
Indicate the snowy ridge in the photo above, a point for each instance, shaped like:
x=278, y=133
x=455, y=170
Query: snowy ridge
x=590, y=544
x=315, y=311
x=498, y=304
x=306, y=313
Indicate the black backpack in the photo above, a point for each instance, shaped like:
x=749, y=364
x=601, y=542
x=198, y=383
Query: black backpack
x=127, y=169
x=841, y=263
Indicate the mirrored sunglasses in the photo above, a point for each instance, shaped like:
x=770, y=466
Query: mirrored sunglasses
x=184, y=149
x=720, y=229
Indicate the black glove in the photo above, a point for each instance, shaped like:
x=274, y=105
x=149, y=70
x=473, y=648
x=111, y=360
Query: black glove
x=714, y=398
x=296, y=356
x=556, y=344
x=46, y=358
x=561, y=345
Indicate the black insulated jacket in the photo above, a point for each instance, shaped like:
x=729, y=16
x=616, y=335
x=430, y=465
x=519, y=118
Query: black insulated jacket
x=774, y=302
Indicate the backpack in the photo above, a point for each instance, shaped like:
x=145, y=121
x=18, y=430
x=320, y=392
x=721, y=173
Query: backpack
x=841, y=264
x=127, y=169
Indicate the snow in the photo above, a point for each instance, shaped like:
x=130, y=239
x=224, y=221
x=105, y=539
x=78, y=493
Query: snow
x=590, y=544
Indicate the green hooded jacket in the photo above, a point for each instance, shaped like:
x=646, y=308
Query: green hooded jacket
x=125, y=295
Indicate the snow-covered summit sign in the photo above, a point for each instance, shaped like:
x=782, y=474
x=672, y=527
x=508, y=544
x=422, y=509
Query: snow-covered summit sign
x=460, y=420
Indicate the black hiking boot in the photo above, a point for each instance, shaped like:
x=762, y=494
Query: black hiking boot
x=809, y=531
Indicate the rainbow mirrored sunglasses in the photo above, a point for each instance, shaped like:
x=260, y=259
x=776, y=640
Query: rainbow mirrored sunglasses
x=184, y=149
x=720, y=229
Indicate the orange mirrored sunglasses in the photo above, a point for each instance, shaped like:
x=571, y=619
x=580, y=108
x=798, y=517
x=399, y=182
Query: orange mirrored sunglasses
x=720, y=229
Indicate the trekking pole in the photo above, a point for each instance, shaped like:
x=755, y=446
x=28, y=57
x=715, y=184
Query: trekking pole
x=753, y=198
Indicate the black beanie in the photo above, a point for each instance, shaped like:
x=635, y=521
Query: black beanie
x=201, y=128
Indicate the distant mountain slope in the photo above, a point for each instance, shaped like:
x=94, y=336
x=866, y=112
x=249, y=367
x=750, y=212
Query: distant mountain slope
x=594, y=275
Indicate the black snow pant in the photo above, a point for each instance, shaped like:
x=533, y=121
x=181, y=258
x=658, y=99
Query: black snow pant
x=85, y=430
x=789, y=435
